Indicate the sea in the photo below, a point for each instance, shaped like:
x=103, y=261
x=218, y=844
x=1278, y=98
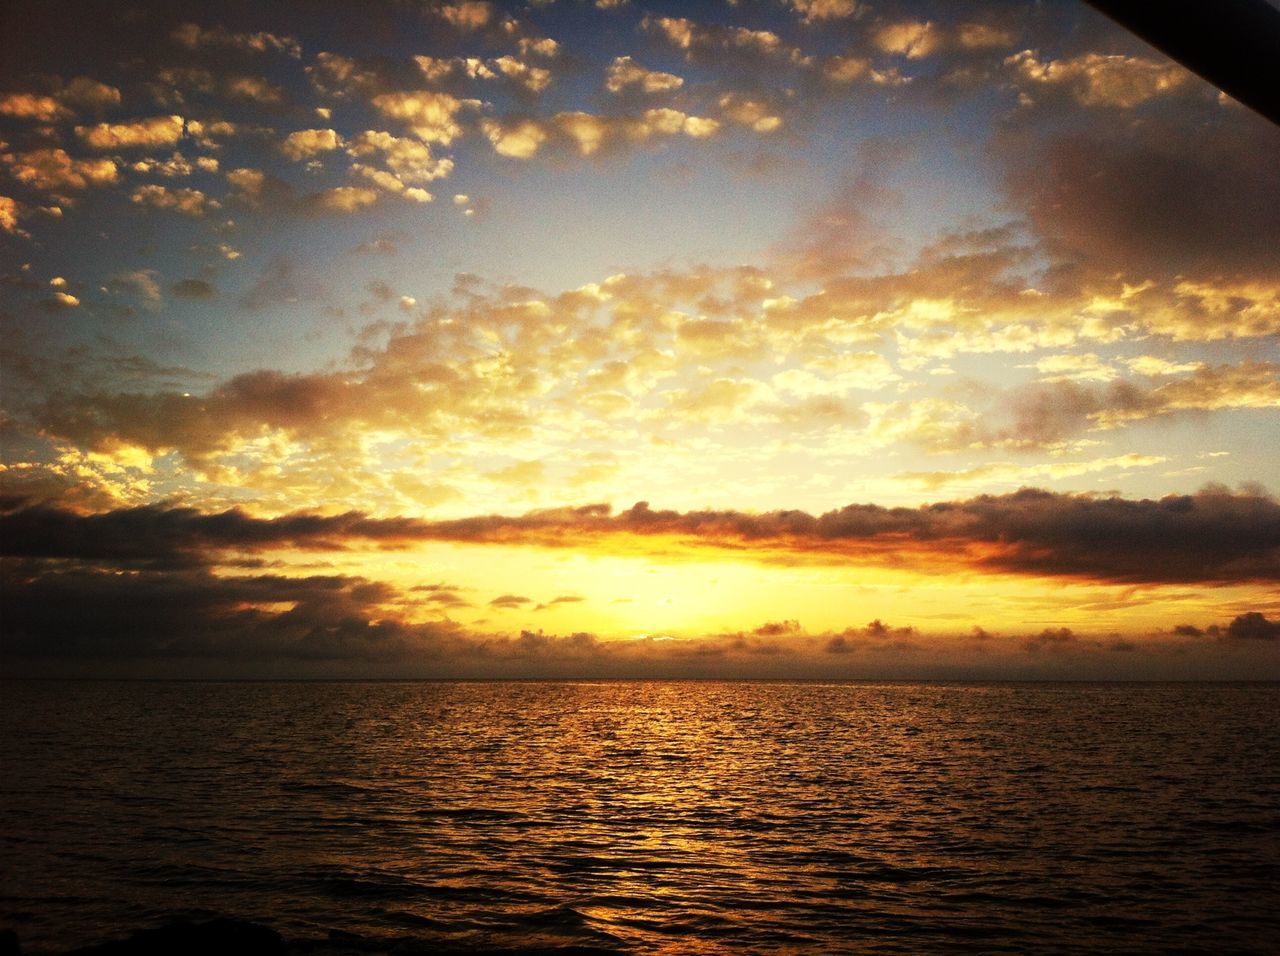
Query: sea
x=646, y=816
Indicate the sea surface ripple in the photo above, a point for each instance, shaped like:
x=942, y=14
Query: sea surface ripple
x=647, y=817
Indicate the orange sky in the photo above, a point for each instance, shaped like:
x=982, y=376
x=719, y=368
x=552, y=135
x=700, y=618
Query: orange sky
x=348, y=347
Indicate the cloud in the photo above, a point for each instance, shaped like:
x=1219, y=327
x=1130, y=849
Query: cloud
x=176, y=165
x=510, y=601
x=525, y=77
x=981, y=36
x=1248, y=385
x=79, y=93
x=1075, y=367
x=193, y=289
x=754, y=113
x=1211, y=537
x=1065, y=405
x=835, y=373
x=32, y=106
x=255, y=89
x=844, y=229
x=184, y=614
x=194, y=622
x=535, y=79
x=142, y=283
x=517, y=139
x=1046, y=412
x=1253, y=626
x=306, y=143
x=189, y=202
x=173, y=84
x=342, y=199
x=209, y=135
x=257, y=188
x=561, y=599
x=336, y=75
x=590, y=134
x=625, y=73
x=1020, y=474
x=391, y=183
x=60, y=302
x=278, y=284
x=538, y=46
x=88, y=94
x=913, y=39
x=430, y=116
x=700, y=40
x=1095, y=79
x=9, y=213
x=817, y=11
x=468, y=15
x=53, y=170
x=1250, y=626
x=194, y=37
x=153, y=131
x=1157, y=199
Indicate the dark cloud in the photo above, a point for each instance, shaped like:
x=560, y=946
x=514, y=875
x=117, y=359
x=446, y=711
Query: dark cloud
x=1250, y=626
x=1051, y=639
x=88, y=614
x=1043, y=413
x=1212, y=536
x=562, y=599
x=1156, y=198
x=846, y=230
x=81, y=621
x=510, y=601
x=193, y=289
x=277, y=285
x=1254, y=626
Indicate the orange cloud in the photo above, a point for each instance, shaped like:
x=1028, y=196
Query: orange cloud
x=1212, y=537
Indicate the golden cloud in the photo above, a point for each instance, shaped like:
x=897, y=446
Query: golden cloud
x=32, y=106
x=913, y=39
x=52, y=170
x=306, y=143
x=1095, y=79
x=9, y=211
x=815, y=11
x=153, y=131
x=518, y=139
x=468, y=15
x=430, y=116
x=189, y=202
x=343, y=199
x=411, y=160
x=625, y=73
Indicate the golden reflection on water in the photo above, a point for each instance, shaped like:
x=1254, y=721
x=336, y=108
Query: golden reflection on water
x=654, y=817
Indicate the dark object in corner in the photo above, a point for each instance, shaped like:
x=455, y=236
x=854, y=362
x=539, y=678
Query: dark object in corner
x=1234, y=44
x=218, y=937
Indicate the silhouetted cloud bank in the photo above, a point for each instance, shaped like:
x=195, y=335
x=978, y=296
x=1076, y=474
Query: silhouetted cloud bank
x=1213, y=536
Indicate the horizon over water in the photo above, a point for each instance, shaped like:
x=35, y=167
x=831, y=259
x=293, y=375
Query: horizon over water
x=646, y=816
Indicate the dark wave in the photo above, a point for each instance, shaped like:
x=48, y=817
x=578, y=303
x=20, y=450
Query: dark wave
x=647, y=818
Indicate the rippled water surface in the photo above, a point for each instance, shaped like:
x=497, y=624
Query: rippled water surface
x=677, y=817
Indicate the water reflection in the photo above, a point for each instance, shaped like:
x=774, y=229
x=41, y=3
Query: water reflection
x=655, y=817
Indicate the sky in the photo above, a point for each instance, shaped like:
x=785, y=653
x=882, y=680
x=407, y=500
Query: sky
x=558, y=338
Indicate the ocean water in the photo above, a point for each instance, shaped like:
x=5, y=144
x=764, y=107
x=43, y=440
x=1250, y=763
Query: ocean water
x=647, y=817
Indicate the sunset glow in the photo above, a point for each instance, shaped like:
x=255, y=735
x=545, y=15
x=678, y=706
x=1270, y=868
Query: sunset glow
x=788, y=338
